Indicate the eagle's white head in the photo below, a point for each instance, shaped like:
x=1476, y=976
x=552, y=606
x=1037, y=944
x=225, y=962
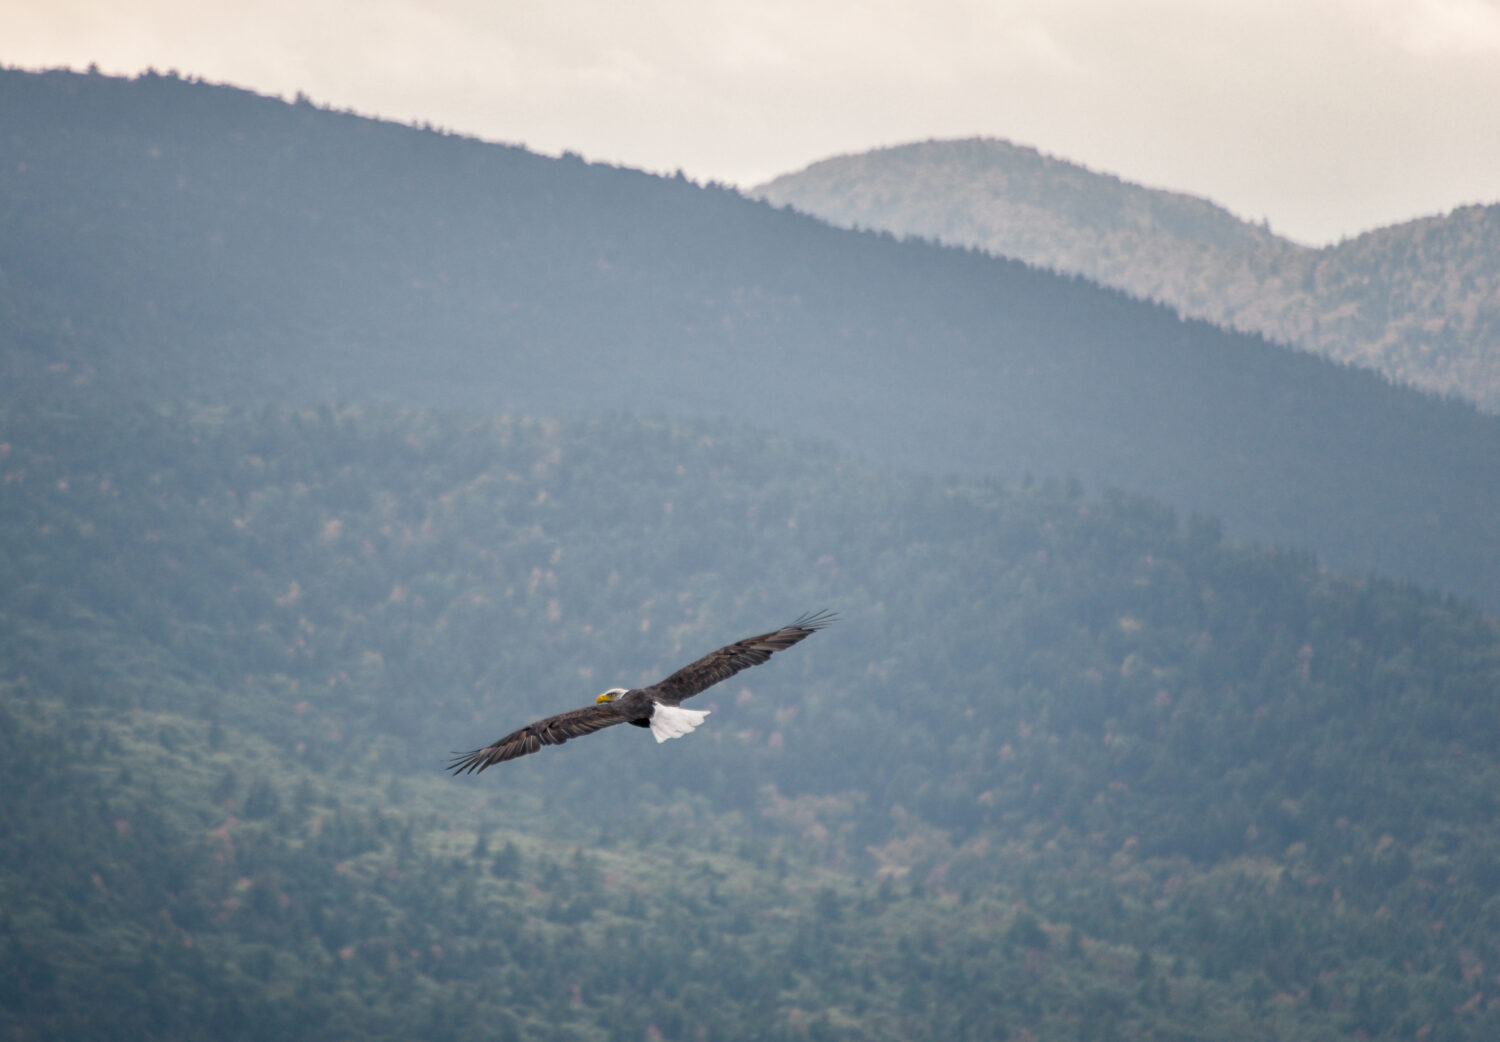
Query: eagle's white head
x=610, y=695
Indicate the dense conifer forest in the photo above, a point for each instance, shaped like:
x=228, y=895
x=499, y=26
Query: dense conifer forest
x=1069, y=766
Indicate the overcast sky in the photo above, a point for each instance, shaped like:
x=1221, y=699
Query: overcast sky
x=1328, y=117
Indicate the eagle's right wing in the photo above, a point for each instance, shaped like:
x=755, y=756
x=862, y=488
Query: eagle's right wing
x=742, y=654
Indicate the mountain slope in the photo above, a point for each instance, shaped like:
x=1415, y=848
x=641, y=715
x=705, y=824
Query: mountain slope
x=166, y=240
x=1133, y=780
x=1418, y=301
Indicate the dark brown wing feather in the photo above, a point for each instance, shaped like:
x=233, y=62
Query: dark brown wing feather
x=730, y=659
x=554, y=730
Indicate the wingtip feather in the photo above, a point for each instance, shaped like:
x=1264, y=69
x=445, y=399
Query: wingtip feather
x=815, y=620
x=466, y=763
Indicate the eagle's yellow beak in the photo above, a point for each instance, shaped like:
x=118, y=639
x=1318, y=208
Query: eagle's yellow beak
x=608, y=696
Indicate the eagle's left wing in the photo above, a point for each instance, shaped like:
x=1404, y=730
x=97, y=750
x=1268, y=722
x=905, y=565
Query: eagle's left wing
x=554, y=730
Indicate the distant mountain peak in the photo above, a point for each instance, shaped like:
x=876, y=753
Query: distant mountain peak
x=1004, y=184
x=1419, y=301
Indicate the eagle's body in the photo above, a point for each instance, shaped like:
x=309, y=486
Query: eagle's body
x=657, y=707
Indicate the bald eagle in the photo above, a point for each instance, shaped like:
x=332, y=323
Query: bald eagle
x=657, y=707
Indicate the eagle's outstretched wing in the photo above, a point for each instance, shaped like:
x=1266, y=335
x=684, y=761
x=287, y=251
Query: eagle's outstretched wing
x=554, y=730
x=731, y=658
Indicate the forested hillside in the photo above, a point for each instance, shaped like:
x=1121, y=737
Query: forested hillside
x=168, y=240
x=1069, y=766
x=1418, y=301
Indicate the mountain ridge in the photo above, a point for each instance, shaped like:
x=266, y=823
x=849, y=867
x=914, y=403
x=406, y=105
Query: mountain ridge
x=173, y=241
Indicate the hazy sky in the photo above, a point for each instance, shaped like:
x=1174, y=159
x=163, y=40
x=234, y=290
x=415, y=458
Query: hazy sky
x=1329, y=117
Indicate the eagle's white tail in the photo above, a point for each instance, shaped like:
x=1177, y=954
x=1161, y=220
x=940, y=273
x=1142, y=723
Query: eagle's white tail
x=674, y=721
